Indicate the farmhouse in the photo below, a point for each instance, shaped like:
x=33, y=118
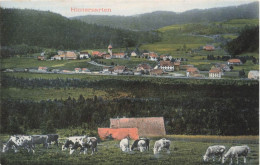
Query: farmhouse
x=119, y=55
x=133, y=54
x=192, y=72
x=107, y=56
x=41, y=58
x=41, y=68
x=167, y=65
x=83, y=55
x=84, y=70
x=118, y=133
x=147, y=126
x=146, y=68
x=209, y=47
x=234, y=62
x=152, y=56
x=95, y=53
x=223, y=67
x=253, y=74
x=77, y=70
x=119, y=69
x=69, y=55
x=156, y=72
x=215, y=73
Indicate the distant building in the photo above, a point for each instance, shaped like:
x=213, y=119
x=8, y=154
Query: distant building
x=234, y=62
x=253, y=74
x=152, y=56
x=95, y=53
x=41, y=58
x=83, y=55
x=84, y=70
x=77, y=70
x=156, y=72
x=209, y=47
x=119, y=55
x=192, y=72
x=133, y=54
x=177, y=66
x=107, y=56
x=223, y=67
x=40, y=68
x=167, y=65
x=215, y=73
x=165, y=57
x=109, y=49
x=146, y=68
x=119, y=69
x=69, y=55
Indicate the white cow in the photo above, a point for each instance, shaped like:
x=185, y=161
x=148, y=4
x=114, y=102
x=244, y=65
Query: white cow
x=124, y=144
x=142, y=145
x=236, y=151
x=18, y=141
x=160, y=144
x=212, y=151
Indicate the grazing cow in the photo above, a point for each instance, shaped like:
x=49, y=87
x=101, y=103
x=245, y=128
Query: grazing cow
x=142, y=144
x=91, y=143
x=212, y=151
x=124, y=144
x=53, y=138
x=40, y=139
x=160, y=144
x=236, y=151
x=16, y=142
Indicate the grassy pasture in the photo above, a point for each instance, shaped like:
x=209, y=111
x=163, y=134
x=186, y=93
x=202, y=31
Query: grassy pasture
x=185, y=150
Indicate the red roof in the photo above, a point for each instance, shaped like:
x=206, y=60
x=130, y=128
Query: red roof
x=147, y=126
x=144, y=66
x=119, y=54
x=166, y=63
x=215, y=70
x=118, y=133
x=152, y=54
x=234, y=61
x=192, y=69
x=95, y=53
x=42, y=68
x=177, y=63
x=209, y=47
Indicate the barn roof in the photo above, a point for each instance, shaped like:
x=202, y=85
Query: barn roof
x=147, y=126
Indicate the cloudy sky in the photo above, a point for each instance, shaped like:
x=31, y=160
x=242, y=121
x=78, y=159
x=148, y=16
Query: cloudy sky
x=117, y=7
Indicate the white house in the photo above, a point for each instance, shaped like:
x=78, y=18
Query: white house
x=133, y=54
x=83, y=55
x=153, y=56
x=167, y=65
x=253, y=74
x=215, y=73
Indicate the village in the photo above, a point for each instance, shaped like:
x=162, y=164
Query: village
x=166, y=65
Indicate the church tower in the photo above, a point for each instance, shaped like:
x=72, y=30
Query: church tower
x=109, y=49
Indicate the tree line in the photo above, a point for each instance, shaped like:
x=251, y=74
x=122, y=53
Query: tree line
x=188, y=108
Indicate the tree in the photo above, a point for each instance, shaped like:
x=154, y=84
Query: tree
x=231, y=67
x=242, y=73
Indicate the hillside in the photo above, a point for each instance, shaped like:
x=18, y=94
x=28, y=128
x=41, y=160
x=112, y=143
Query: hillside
x=50, y=30
x=155, y=20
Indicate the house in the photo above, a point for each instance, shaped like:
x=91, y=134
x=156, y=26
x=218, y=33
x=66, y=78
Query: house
x=156, y=72
x=83, y=55
x=253, y=74
x=41, y=58
x=223, y=67
x=165, y=58
x=215, y=73
x=234, y=62
x=119, y=69
x=191, y=72
x=107, y=56
x=107, y=69
x=152, y=56
x=40, y=68
x=145, y=68
x=209, y=47
x=147, y=126
x=95, y=53
x=177, y=66
x=133, y=54
x=69, y=55
x=167, y=65
x=85, y=70
x=77, y=70
x=119, y=55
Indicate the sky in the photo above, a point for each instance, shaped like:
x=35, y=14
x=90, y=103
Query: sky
x=70, y=8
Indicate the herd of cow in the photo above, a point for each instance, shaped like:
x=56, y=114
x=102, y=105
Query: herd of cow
x=84, y=143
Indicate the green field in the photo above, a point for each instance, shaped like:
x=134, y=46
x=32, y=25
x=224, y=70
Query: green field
x=185, y=150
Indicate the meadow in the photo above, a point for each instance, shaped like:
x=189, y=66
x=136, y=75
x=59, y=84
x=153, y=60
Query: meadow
x=185, y=150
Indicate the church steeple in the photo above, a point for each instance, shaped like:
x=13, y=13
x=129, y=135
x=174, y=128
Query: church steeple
x=110, y=49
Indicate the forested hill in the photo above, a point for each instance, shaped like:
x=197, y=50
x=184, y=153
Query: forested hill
x=160, y=19
x=50, y=30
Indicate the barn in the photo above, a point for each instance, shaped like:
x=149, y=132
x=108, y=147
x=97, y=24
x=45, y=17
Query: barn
x=147, y=126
